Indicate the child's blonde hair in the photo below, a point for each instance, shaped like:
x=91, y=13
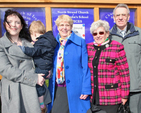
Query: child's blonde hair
x=37, y=27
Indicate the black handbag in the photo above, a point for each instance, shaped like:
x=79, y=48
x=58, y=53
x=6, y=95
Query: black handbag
x=95, y=109
x=124, y=108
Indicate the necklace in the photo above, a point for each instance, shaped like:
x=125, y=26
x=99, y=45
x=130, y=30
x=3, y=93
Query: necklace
x=14, y=42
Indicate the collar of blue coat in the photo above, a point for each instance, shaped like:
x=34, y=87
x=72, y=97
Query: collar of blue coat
x=73, y=38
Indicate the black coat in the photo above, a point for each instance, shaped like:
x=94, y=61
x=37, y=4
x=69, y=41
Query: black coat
x=43, y=52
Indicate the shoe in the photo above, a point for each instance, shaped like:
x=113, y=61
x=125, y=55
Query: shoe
x=44, y=110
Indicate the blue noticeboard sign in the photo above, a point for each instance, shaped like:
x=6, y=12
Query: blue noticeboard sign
x=83, y=18
x=29, y=14
x=107, y=14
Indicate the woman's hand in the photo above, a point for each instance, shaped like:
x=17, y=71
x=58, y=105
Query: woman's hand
x=123, y=101
x=83, y=97
x=41, y=79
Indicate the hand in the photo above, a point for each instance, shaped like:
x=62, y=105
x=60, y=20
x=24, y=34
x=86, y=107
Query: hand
x=41, y=79
x=49, y=75
x=32, y=42
x=83, y=97
x=123, y=101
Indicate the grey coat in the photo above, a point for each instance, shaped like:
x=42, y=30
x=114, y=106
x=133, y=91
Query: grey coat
x=18, y=92
x=132, y=46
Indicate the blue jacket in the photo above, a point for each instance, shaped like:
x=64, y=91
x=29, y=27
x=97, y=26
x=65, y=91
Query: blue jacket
x=132, y=47
x=77, y=74
x=43, y=52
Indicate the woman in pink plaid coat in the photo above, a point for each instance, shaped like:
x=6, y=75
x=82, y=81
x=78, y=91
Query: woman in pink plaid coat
x=109, y=69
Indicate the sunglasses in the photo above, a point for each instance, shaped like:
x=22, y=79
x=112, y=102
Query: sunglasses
x=100, y=33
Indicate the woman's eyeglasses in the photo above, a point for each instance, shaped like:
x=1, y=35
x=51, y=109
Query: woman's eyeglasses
x=100, y=33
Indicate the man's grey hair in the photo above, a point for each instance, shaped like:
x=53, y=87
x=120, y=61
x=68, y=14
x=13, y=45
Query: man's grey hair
x=121, y=5
x=99, y=23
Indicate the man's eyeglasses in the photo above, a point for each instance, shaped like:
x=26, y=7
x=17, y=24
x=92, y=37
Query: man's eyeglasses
x=100, y=33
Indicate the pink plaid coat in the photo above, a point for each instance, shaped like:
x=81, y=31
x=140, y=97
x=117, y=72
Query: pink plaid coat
x=113, y=73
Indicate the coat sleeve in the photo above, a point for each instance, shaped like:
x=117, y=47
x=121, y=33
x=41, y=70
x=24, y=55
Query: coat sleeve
x=124, y=72
x=36, y=51
x=86, y=85
x=12, y=73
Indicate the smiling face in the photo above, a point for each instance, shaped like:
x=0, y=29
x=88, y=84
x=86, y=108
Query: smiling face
x=121, y=17
x=64, y=29
x=100, y=35
x=13, y=25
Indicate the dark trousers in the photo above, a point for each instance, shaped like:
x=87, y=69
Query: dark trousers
x=41, y=89
x=60, y=104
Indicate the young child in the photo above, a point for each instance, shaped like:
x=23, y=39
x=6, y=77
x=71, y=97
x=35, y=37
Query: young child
x=44, y=44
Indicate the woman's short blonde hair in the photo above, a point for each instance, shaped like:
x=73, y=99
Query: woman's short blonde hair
x=38, y=27
x=65, y=18
x=99, y=23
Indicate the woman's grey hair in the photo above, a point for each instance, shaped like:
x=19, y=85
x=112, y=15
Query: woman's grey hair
x=66, y=18
x=99, y=23
x=121, y=5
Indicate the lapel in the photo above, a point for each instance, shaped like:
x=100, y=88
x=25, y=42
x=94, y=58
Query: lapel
x=74, y=38
x=91, y=47
x=12, y=49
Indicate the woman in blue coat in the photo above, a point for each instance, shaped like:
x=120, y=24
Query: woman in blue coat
x=70, y=85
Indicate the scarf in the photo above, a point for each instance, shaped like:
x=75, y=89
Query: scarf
x=105, y=42
x=60, y=76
